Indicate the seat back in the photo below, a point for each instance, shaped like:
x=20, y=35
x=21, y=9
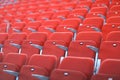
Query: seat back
x=49, y=26
x=46, y=61
x=113, y=13
x=113, y=36
x=115, y=8
x=15, y=38
x=64, y=36
x=78, y=13
x=13, y=62
x=67, y=24
x=114, y=19
x=31, y=27
x=33, y=40
x=95, y=21
x=17, y=27
x=109, y=50
x=92, y=24
x=38, y=36
x=110, y=66
x=60, y=15
x=77, y=71
x=40, y=65
x=102, y=9
x=79, y=48
x=109, y=70
x=95, y=36
x=109, y=27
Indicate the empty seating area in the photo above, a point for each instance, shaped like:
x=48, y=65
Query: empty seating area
x=59, y=39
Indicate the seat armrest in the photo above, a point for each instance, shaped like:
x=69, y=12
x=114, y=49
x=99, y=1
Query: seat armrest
x=62, y=47
x=50, y=29
x=11, y=72
x=40, y=77
x=37, y=46
x=16, y=45
x=32, y=30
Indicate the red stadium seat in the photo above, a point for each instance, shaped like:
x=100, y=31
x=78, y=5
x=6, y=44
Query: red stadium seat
x=50, y=23
x=113, y=13
x=100, y=4
x=32, y=9
x=8, y=18
x=60, y=15
x=79, y=48
x=71, y=21
x=33, y=44
x=78, y=71
x=102, y=10
x=114, y=3
x=31, y=17
x=96, y=14
x=31, y=27
x=69, y=25
x=91, y=24
x=78, y=13
x=115, y=8
x=109, y=70
x=61, y=36
x=109, y=27
x=94, y=36
x=38, y=67
x=19, y=17
x=109, y=50
x=50, y=48
x=114, y=19
x=48, y=26
x=84, y=4
x=45, y=16
x=15, y=38
x=68, y=6
x=42, y=8
x=54, y=7
x=105, y=2
x=11, y=64
x=113, y=36
x=17, y=27
x=57, y=44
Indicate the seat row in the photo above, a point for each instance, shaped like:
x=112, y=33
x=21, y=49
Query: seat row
x=87, y=44
x=63, y=36
x=98, y=11
x=68, y=4
x=73, y=25
x=80, y=13
x=42, y=67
